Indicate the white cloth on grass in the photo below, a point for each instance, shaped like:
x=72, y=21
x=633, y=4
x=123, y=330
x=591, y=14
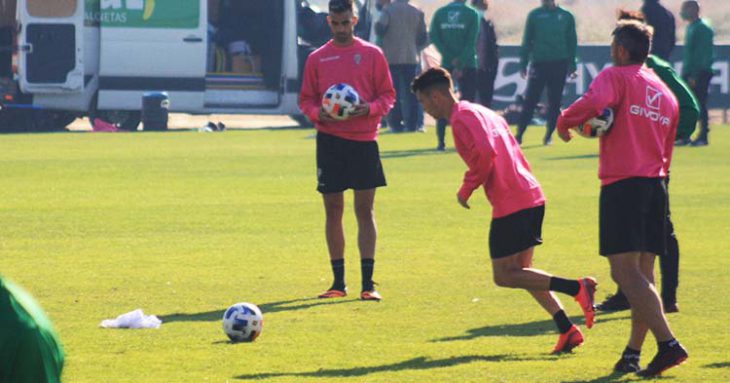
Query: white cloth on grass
x=134, y=319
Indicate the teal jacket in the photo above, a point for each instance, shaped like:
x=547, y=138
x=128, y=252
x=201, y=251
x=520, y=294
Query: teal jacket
x=689, y=108
x=698, y=49
x=454, y=31
x=549, y=36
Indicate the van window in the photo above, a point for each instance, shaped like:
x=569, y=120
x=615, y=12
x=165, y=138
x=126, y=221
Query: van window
x=51, y=8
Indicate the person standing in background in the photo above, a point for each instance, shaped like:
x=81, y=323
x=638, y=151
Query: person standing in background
x=548, y=45
x=487, y=55
x=454, y=31
x=402, y=29
x=662, y=20
x=697, y=63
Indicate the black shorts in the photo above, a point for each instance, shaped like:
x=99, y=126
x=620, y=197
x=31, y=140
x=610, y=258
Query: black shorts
x=345, y=164
x=516, y=232
x=633, y=215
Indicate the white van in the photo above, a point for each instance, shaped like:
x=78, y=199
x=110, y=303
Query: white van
x=97, y=58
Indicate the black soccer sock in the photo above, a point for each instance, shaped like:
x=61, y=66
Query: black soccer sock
x=630, y=353
x=367, y=267
x=561, y=320
x=565, y=286
x=665, y=346
x=338, y=270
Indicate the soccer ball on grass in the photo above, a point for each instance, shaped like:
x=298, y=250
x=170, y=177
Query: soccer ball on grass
x=243, y=322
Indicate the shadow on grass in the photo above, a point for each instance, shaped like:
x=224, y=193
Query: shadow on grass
x=533, y=146
x=718, y=365
x=239, y=129
x=619, y=377
x=578, y=157
x=266, y=308
x=520, y=329
x=420, y=363
x=412, y=153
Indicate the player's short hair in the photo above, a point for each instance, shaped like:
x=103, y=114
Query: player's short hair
x=341, y=6
x=434, y=78
x=635, y=37
x=625, y=14
x=694, y=4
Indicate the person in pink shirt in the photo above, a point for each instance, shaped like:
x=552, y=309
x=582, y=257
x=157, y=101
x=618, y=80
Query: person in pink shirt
x=495, y=160
x=347, y=151
x=634, y=160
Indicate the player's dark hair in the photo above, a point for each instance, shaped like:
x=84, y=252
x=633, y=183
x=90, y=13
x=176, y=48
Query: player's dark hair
x=635, y=37
x=341, y=6
x=694, y=4
x=433, y=78
x=624, y=14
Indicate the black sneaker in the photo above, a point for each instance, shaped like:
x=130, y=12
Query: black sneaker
x=664, y=361
x=682, y=142
x=616, y=302
x=671, y=308
x=627, y=365
x=699, y=142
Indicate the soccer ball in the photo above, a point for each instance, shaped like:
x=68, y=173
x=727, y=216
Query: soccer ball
x=339, y=101
x=243, y=322
x=597, y=126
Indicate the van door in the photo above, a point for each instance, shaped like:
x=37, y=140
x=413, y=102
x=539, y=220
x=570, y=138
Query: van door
x=51, y=45
x=152, y=45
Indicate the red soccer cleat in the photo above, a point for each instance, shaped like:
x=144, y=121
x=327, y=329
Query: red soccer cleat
x=331, y=293
x=585, y=298
x=370, y=296
x=568, y=341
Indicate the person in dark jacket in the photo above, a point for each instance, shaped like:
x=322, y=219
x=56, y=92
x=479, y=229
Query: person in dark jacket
x=549, y=47
x=697, y=64
x=487, y=55
x=662, y=20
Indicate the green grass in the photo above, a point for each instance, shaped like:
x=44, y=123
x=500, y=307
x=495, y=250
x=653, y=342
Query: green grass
x=184, y=224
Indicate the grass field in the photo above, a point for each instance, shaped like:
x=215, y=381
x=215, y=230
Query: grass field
x=184, y=224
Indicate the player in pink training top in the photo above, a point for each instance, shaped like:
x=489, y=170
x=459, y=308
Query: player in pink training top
x=347, y=151
x=634, y=160
x=496, y=162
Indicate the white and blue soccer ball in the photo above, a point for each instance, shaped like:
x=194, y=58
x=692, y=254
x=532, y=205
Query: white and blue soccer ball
x=243, y=322
x=340, y=100
x=597, y=126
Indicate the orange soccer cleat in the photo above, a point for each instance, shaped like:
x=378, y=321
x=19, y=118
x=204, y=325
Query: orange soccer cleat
x=568, y=341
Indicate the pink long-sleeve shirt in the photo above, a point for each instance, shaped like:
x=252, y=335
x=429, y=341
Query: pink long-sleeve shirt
x=495, y=160
x=363, y=66
x=646, y=115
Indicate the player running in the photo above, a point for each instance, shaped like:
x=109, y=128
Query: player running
x=496, y=162
x=634, y=162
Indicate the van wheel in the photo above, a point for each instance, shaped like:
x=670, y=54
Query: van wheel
x=302, y=120
x=124, y=119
